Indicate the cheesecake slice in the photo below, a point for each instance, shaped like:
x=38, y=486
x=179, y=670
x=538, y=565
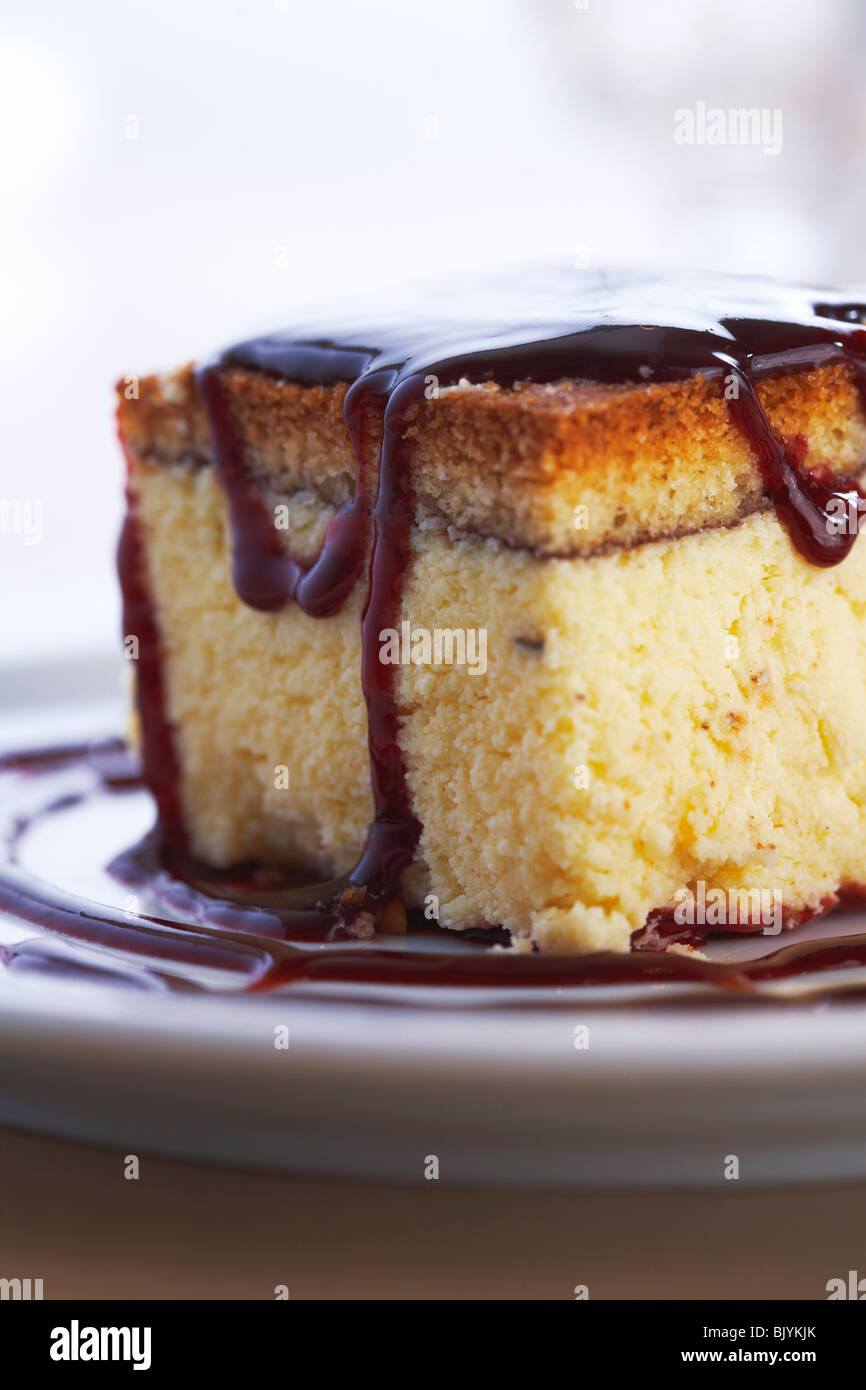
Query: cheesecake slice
x=549, y=616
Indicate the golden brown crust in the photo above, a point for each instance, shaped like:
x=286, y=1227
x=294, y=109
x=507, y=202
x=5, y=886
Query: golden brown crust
x=295, y=435
x=571, y=468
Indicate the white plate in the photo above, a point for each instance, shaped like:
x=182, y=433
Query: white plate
x=663, y=1094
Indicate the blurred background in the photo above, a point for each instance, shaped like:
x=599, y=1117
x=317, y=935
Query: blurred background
x=176, y=173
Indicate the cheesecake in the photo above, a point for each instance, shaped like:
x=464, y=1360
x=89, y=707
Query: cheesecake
x=541, y=609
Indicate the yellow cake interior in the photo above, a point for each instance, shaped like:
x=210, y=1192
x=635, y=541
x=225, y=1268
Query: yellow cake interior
x=685, y=711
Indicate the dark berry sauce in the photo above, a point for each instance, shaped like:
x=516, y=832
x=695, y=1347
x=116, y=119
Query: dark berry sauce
x=262, y=930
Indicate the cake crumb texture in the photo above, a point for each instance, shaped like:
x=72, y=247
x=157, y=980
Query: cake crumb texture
x=685, y=711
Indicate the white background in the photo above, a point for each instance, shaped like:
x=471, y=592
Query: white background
x=176, y=173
